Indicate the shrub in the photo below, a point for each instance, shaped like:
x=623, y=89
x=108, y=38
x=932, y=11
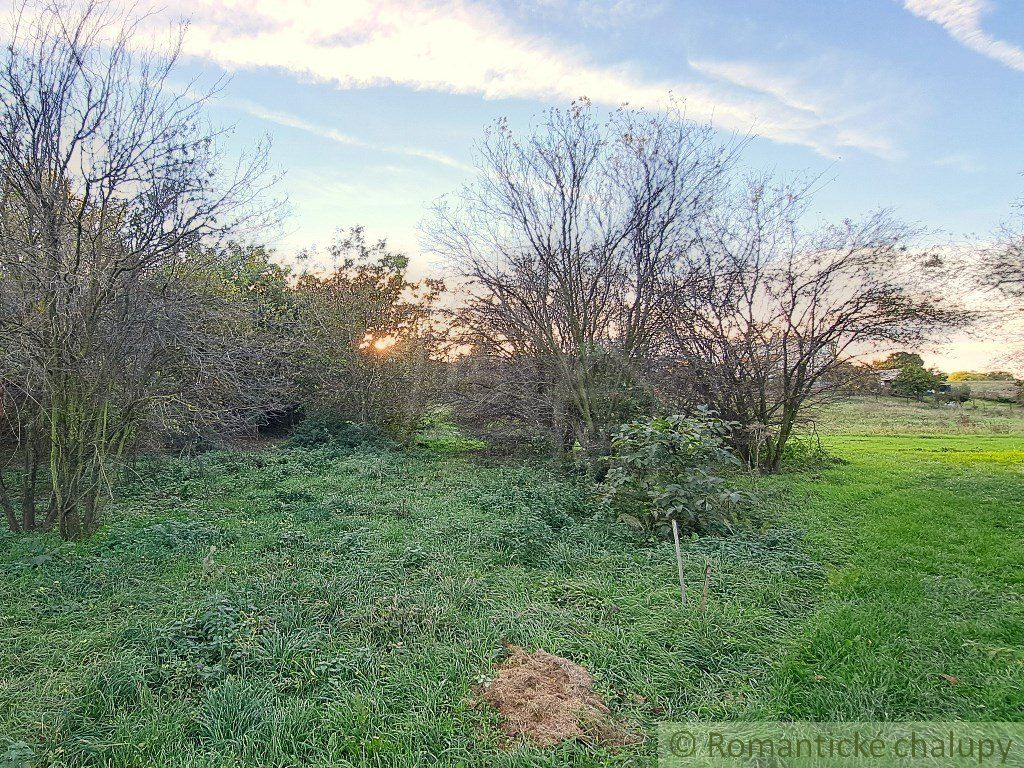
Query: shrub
x=323, y=429
x=960, y=393
x=667, y=468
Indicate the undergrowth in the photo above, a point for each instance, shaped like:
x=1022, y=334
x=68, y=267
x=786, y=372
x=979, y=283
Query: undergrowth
x=336, y=606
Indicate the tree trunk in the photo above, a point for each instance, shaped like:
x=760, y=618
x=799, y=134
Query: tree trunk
x=8, y=505
x=28, y=482
x=778, y=445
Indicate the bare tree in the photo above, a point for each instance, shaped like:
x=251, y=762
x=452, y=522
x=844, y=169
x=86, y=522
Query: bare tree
x=1003, y=265
x=1001, y=276
x=111, y=185
x=565, y=240
x=768, y=314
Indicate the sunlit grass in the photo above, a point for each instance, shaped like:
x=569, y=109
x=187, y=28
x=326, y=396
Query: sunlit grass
x=922, y=616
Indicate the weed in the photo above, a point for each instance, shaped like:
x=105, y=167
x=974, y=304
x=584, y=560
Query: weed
x=521, y=540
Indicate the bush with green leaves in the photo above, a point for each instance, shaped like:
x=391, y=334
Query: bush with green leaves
x=669, y=468
x=325, y=429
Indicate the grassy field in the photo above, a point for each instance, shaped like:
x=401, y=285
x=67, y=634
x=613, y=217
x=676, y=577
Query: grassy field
x=992, y=390
x=312, y=607
x=899, y=417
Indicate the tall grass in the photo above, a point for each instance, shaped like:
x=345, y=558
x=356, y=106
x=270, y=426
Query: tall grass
x=337, y=607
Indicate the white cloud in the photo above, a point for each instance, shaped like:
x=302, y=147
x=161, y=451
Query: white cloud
x=466, y=48
x=294, y=121
x=962, y=20
x=754, y=77
x=599, y=14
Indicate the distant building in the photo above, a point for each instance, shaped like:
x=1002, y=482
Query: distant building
x=887, y=377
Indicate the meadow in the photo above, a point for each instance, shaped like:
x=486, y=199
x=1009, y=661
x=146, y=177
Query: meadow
x=335, y=607
x=899, y=417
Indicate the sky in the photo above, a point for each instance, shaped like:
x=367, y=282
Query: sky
x=373, y=107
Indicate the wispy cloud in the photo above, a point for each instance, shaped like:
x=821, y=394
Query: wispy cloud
x=757, y=78
x=600, y=14
x=854, y=117
x=471, y=48
x=962, y=20
x=961, y=162
x=294, y=121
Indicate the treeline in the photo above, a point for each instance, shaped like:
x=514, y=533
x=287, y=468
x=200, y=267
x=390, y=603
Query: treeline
x=607, y=269
x=981, y=376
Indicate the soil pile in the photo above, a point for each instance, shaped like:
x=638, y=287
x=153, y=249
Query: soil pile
x=548, y=699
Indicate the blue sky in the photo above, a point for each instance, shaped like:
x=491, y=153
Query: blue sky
x=374, y=107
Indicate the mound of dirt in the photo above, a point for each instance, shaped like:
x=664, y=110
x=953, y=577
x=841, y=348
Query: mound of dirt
x=548, y=699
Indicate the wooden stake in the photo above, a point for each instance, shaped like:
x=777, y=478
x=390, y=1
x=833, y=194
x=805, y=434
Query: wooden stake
x=707, y=581
x=679, y=561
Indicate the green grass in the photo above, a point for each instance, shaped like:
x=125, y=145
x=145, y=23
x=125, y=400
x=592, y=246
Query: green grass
x=355, y=598
x=922, y=615
x=899, y=417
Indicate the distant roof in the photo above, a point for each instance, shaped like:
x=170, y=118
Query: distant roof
x=889, y=374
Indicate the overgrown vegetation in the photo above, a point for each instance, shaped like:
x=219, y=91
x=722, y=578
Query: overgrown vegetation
x=327, y=605
x=367, y=343
x=115, y=205
x=647, y=328
x=640, y=271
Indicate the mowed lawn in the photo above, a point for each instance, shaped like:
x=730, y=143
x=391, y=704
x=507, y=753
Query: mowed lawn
x=922, y=613
x=319, y=607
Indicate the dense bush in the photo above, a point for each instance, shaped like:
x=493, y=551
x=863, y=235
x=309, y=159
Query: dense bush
x=915, y=381
x=670, y=468
x=325, y=429
x=367, y=346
